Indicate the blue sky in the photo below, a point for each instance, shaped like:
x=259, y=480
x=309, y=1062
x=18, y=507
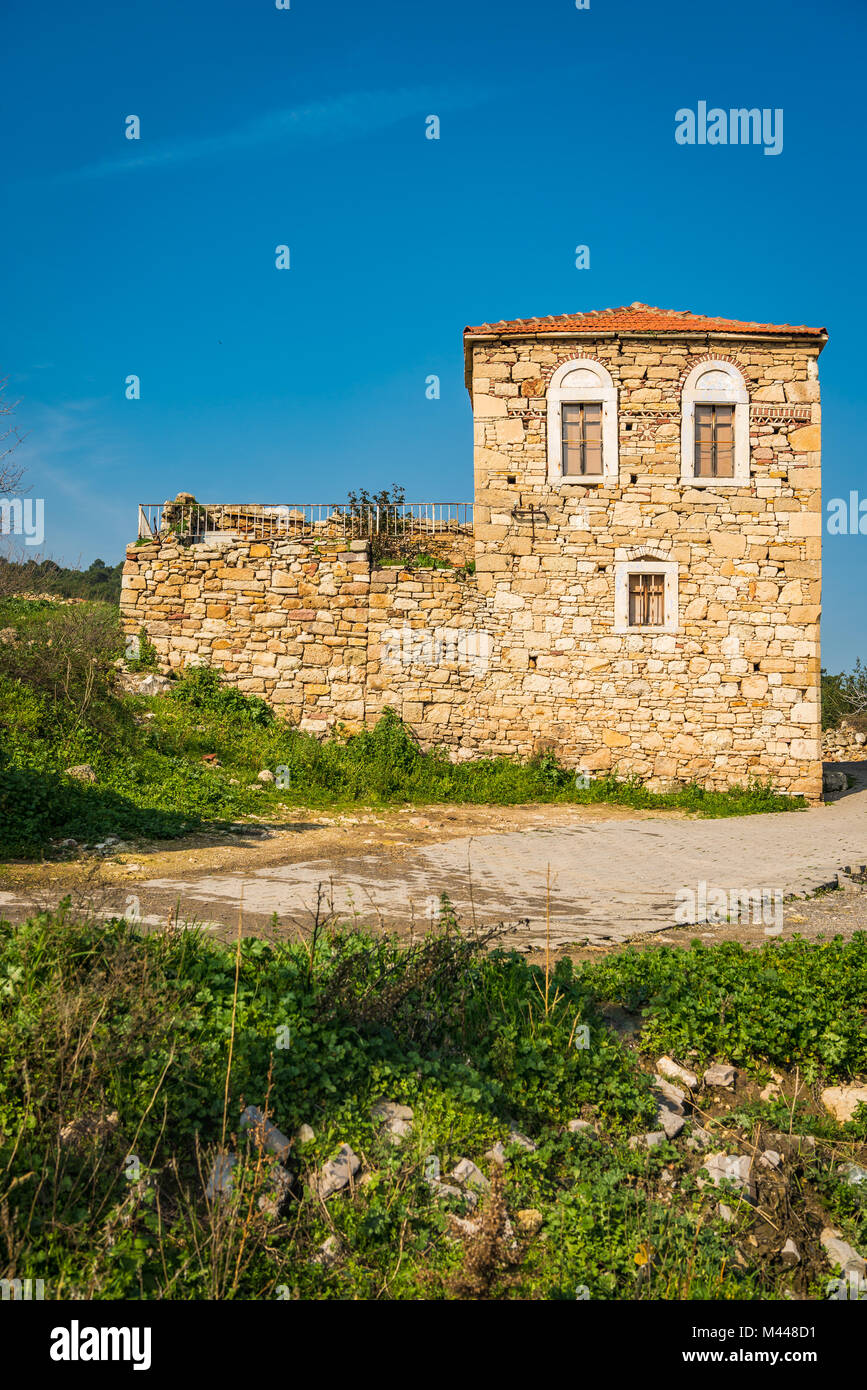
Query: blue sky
x=306, y=127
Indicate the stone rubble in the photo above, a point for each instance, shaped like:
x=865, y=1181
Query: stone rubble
x=733, y=1168
x=469, y=1175
x=840, y=1253
x=842, y=1101
x=720, y=1075
x=395, y=1120
x=338, y=1172
x=673, y=1072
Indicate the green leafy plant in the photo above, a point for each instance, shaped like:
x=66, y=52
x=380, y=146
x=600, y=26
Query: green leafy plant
x=124, y=1038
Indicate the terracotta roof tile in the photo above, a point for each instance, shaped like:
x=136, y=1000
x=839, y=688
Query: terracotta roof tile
x=638, y=318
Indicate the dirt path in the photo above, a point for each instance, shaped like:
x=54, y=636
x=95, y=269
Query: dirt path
x=615, y=874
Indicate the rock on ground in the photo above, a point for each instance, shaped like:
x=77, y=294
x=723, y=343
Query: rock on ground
x=516, y=1137
x=840, y=1253
x=672, y=1096
x=842, y=1101
x=652, y=1140
x=467, y=1173
x=220, y=1180
x=278, y=1185
x=338, y=1172
x=529, y=1220
x=265, y=1133
x=327, y=1252
x=672, y=1123
x=89, y=1127
x=720, y=1074
x=699, y=1138
x=834, y=781
x=396, y=1120
x=853, y=1173
x=671, y=1069
x=733, y=1168
x=770, y=1158
x=82, y=772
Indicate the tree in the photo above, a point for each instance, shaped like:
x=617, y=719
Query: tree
x=844, y=696
x=11, y=473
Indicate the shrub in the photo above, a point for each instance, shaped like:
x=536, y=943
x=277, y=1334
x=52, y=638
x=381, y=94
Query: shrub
x=64, y=656
x=201, y=689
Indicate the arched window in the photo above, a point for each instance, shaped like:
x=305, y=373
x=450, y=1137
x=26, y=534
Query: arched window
x=582, y=425
x=715, y=427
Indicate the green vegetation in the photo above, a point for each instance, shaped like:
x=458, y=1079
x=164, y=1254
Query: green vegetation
x=141, y=654
x=197, y=758
x=125, y=1043
x=99, y=581
x=790, y=1002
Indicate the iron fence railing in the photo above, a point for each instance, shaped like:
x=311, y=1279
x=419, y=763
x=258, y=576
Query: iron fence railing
x=264, y=520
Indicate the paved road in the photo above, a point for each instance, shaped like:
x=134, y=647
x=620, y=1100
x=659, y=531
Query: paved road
x=609, y=881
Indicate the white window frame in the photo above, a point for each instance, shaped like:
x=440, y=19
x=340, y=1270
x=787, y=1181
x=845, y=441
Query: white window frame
x=582, y=381
x=731, y=391
x=670, y=604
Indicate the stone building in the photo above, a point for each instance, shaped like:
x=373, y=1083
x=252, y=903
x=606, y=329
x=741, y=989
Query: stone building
x=647, y=582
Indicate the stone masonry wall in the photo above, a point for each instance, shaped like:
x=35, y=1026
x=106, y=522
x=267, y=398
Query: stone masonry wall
x=522, y=655
x=734, y=693
x=284, y=620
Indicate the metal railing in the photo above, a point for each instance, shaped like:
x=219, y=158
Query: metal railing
x=261, y=521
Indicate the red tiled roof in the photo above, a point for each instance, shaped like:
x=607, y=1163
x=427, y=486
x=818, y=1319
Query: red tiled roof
x=639, y=318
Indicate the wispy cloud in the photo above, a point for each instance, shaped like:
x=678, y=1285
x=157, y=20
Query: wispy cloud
x=339, y=118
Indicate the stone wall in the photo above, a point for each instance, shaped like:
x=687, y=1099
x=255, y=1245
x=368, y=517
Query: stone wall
x=286, y=620
x=844, y=745
x=523, y=656
x=734, y=692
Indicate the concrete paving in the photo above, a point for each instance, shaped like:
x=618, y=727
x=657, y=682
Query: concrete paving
x=609, y=880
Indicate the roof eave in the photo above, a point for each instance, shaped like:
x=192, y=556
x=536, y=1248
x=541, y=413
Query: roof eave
x=698, y=335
